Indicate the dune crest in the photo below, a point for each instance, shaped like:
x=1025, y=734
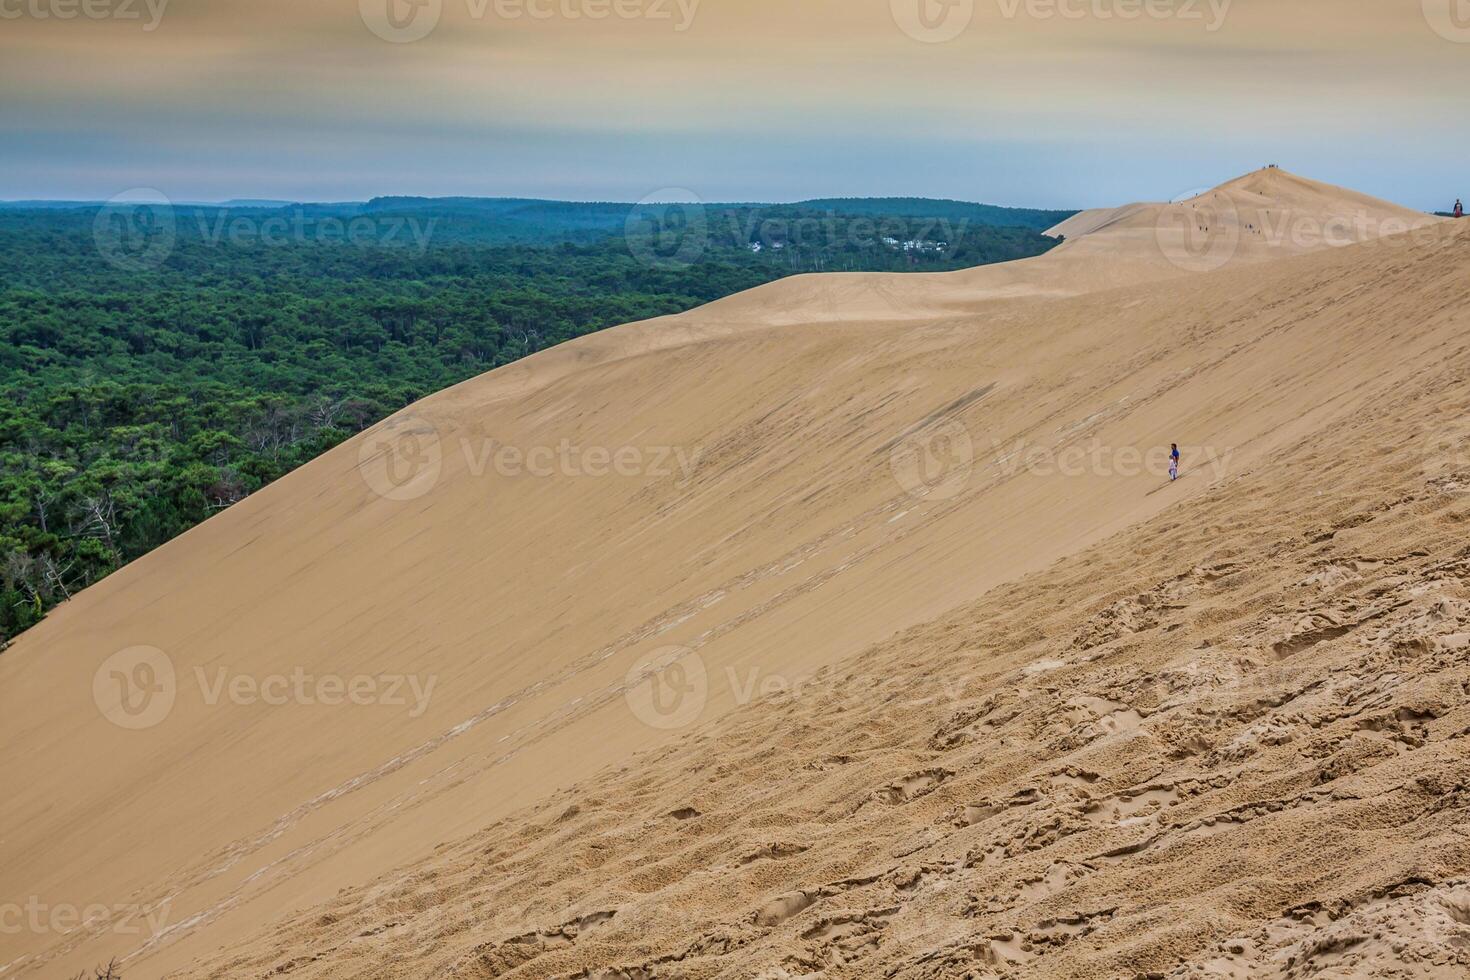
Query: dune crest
x=1262, y=216
x=957, y=666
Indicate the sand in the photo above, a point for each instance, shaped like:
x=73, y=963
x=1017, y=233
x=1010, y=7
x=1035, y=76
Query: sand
x=889, y=650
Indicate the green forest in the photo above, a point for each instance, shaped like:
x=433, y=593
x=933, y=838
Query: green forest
x=160, y=365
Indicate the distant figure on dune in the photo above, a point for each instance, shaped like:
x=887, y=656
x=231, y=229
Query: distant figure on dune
x=1173, y=461
x=1459, y=209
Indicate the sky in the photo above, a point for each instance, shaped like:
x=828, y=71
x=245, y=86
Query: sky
x=1037, y=103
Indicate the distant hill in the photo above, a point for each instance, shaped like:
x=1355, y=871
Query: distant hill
x=253, y=203
x=529, y=220
x=600, y=213
x=923, y=207
x=533, y=221
x=494, y=205
x=508, y=219
x=46, y=205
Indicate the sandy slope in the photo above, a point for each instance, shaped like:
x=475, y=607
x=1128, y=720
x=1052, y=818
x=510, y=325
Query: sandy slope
x=1095, y=661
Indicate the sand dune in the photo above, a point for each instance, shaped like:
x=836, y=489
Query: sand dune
x=1259, y=217
x=1263, y=216
x=965, y=686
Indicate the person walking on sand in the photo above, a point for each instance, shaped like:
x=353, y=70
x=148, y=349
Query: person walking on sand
x=1173, y=461
x=1459, y=209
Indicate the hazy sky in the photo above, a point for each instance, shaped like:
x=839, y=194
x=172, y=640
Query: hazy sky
x=1050, y=103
